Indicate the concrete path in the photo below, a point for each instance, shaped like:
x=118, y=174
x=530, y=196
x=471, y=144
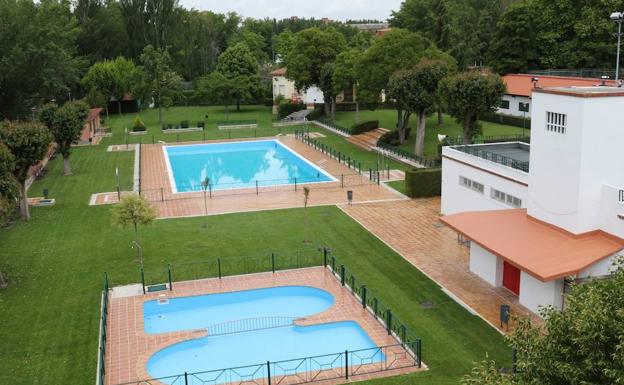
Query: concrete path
x=412, y=229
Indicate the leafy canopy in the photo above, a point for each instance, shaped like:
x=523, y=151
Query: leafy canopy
x=28, y=142
x=65, y=123
x=132, y=210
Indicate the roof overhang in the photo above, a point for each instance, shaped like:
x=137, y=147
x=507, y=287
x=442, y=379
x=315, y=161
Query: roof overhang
x=545, y=251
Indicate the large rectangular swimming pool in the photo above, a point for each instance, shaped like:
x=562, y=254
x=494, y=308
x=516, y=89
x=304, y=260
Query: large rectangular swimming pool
x=236, y=165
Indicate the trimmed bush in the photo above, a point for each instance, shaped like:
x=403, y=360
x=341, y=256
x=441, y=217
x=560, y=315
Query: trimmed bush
x=315, y=114
x=138, y=125
x=184, y=124
x=365, y=126
x=201, y=125
x=423, y=182
x=286, y=109
x=392, y=137
x=516, y=121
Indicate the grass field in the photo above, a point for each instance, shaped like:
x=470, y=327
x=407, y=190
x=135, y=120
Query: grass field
x=55, y=263
x=387, y=119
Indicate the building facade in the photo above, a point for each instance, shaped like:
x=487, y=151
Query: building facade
x=540, y=214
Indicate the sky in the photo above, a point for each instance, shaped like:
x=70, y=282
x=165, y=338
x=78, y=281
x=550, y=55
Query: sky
x=280, y=9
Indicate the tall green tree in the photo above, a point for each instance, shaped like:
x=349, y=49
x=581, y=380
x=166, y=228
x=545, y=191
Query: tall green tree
x=345, y=74
x=240, y=67
x=8, y=187
x=312, y=50
x=161, y=80
x=255, y=42
x=469, y=95
x=66, y=124
x=583, y=344
x=217, y=89
x=414, y=91
x=283, y=44
x=28, y=142
x=394, y=51
x=38, y=58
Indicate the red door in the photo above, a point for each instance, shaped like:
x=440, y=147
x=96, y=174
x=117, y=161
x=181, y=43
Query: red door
x=511, y=277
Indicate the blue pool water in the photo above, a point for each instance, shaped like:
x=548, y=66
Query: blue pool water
x=242, y=343
x=201, y=311
x=238, y=165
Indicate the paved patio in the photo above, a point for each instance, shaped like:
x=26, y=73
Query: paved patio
x=155, y=185
x=413, y=230
x=129, y=348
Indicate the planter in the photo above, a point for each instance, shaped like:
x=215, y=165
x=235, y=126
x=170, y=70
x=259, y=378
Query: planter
x=138, y=132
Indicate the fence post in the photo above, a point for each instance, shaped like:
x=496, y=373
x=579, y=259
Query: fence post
x=143, y=280
x=219, y=267
x=333, y=264
x=418, y=352
x=185, y=378
x=295, y=183
x=403, y=334
x=370, y=174
x=364, y=296
x=162, y=197
x=389, y=321
x=256, y=187
x=375, y=306
x=169, y=275
x=342, y=180
x=269, y=372
x=342, y=275
x=347, y=364
x=324, y=256
x=273, y=262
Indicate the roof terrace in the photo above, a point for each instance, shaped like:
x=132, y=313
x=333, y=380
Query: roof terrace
x=513, y=154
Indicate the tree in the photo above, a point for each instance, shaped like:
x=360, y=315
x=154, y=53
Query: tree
x=283, y=45
x=217, y=89
x=238, y=65
x=8, y=187
x=66, y=124
x=582, y=344
x=253, y=41
x=469, y=95
x=159, y=76
x=28, y=142
x=133, y=210
x=312, y=50
x=394, y=51
x=414, y=91
x=327, y=87
x=345, y=74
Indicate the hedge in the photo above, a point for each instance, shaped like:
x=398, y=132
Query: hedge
x=138, y=125
x=315, y=114
x=392, y=137
x=365, y=126
x=286, y=109
x=423, y=182
x=516, y=121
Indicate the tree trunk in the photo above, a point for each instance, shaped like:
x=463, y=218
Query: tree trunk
x=468, y=130
x=357, y=112
x=66, y=165
x=3, y=282
x=420, y=134
x=159, y=111
x=326, y=107
x=107, y=113
x=399, y=126
x=440, y=117
x=24, y=212
x=405, y=121
x=333, y=108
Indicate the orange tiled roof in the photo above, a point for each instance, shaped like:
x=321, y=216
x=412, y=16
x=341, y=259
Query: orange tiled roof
x=540, y=249
x=279, y=72
x=521, y=84
x=93, y=114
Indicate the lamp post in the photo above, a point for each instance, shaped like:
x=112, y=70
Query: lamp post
x=118, y=188
x=618, y=17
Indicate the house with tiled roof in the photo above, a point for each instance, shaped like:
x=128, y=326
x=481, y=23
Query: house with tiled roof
x=313, y=95
x=537, y=217
x=517, y=99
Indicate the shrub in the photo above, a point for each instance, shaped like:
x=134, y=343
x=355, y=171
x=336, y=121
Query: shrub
x=315, y=114
x=184, y=124
x=138, y=125
x=392, y=137
x=516, y=121
x=423, y=182
x=201, y=125
x=288, y=108
x=365, y=126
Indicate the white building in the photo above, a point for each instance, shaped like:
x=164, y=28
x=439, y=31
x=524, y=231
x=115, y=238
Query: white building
x=517, y=99
x=536, y=215
x=286, y=87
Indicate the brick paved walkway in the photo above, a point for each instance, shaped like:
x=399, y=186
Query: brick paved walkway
x=413, y=230
x=155, y=185
x=129, y=348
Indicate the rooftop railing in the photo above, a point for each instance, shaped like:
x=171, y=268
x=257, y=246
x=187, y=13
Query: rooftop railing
x=494, y=157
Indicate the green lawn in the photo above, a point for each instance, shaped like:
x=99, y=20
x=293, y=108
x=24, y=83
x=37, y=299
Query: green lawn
x=55, y=263
x=398, y=185
x=387, y=119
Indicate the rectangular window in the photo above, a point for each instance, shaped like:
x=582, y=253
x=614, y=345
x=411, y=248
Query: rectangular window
x=555, y=122
x=505, y=104
x=505, y=198
x=523, y=107
x=621, y=196
x=471, y=184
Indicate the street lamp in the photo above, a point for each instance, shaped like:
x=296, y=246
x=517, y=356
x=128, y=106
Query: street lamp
x=618, y=17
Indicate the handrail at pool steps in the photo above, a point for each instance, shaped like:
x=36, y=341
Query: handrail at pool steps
x=355, y=165
x=394, y=326
x=101, y=364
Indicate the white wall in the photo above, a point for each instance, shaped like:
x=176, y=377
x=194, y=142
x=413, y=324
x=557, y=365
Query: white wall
x=457, y=198
x=514, y=105
x=611, y=211
x=486, y=265
x=312, y=95
x=599, y=268
x=535, y=293
x=568, y=170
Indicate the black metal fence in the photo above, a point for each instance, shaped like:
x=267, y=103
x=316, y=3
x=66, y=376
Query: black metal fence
x=459, y=140
x=331, y=124
x=101, y=365
x=408, y=155
x=338, y=365
x=495, y=157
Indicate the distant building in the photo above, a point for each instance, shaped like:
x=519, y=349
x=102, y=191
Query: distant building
x=517, y=100
x=379, y=29
x=286, y=87
x=91, y=126
x=536, y=215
